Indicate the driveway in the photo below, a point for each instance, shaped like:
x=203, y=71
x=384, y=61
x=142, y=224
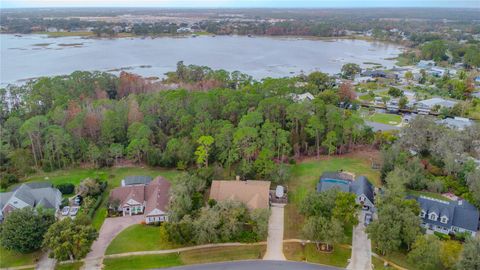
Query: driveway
x=361, y=247
x=275, y=234
x=256, y=265
x=46, y=263
x=110, y=229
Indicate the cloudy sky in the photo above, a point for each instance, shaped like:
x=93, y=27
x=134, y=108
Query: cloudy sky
x=239, y=3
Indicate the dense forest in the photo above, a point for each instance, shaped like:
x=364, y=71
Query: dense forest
x=247, y=127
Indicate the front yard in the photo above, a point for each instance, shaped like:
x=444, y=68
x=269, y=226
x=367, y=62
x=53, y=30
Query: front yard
x=11, y=258
x=207, y=255
x=309, y=253
x=140, y=238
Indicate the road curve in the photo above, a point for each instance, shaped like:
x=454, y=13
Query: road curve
x=256, y=265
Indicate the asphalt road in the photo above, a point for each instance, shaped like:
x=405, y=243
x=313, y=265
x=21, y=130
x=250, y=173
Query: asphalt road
x=256, y=265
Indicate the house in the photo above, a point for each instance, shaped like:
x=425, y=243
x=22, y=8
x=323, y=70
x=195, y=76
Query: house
x=254, y=194
x=393, y=106
x=425, y=106
x=30, y=195
x=459, y=123
x=438, y=72
x=374, y=74
x=149, y=199
x=136, y=180
x=448, y=216
x=424, y=64
x=302, y=97
x=346, y=182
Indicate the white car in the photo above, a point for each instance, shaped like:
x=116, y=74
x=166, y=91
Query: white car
x=65, y=210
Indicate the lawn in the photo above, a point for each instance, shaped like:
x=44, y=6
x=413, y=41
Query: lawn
x=378, y=264
x=296, y=252
x=142, y=262
x=428, y=194
x=11, y=258
x=385, y=118
x=140, y=237
x=69, y=266
x=304, y=179
x=206, y=255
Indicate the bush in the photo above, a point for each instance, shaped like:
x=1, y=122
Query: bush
x=442, y=236
x=66, y=188
x=8, y=180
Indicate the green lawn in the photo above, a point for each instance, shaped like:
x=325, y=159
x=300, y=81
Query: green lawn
x=69, y=266
x=142, y=262
x=295, y=252
x=428, y=194
x=140, y=237
x=207, y=255
x=378, y=264
x=11, y=258
x=304, y=179
x=385, y=118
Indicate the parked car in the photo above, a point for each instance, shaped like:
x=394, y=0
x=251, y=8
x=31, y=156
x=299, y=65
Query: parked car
x=74, y=210
x=368, y=219
x=65, y=210
x=77, y=200
x=279, y=192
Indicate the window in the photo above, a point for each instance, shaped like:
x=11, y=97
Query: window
x=444, y=219
x=432, y=216
x=422, y=214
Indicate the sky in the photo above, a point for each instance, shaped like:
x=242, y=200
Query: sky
x=240, y=3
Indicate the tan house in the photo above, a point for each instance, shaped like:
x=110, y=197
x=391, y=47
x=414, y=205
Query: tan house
x=149, y=199
x=255, y=194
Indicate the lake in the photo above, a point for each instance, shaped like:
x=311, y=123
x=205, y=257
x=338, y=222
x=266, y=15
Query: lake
x=30, y=56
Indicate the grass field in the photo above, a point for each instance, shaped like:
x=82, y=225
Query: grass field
x=296, y=252
x=69, y=266
x=385, y=118
x=207, y=255
x=304, y=179
x=428, y=194
x=11, y=258
x=140, y=238
x=378, y=264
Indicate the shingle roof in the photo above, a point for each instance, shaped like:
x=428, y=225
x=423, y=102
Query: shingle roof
x=158, y=195
x=459, y=213
x=137, y=180
x=362, y=186
x=24, y=193
x=33, y=194
x=255, y=194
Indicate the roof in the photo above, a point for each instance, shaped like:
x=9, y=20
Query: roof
x=32, y=194
x=35, y=185
x=459, y=123
x=437, y=101
x=136, y=180
x=360, y=186
x=255, y=194
x=337, y=175
x=460, y=213
x=154, y=194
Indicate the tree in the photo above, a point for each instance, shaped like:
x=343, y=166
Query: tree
x=469, y=258
x=425, y=252
x=345, y=209
x=450, y=253
x=203, y=150
x=472, y=56
x=264, y=164
x=346, y=92
x=434, y=50
x=70, y=239
x=88, y=187
x=330, y=142
x=137, y=148
x=116, y=151
x=350, y=70
x=23, y=229
x=321, y=230
x=319, y=79
x=408, y=76
x=33, y=129
x=186, y=196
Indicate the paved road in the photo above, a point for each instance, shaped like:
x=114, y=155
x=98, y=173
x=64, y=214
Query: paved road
x=46, y=263
x=110, y=229
x=275, y=234
x=361, y=247
x=256, y=265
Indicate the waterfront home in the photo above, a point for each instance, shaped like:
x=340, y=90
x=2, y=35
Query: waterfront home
x=448, y=217
x=33, y=195
x=345, y=182
x=149, y=199
x=426, y=106
x=254, y=194
x=459, y=123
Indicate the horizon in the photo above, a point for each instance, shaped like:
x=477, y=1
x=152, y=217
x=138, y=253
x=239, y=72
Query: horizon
x=11, y=4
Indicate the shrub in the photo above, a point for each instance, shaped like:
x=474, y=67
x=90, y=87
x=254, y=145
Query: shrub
x=8, y=180
x=66, y=188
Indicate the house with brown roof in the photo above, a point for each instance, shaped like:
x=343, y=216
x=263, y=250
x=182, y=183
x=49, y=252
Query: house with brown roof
x=254, y=194
x=148, y=199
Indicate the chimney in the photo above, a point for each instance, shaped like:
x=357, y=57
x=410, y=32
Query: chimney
x=460, y=202
x=237, y=177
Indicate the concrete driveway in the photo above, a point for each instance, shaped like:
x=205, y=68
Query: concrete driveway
x=275, y=234
x=110, y=229
x=361, y=247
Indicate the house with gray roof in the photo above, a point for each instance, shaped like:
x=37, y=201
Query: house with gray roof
x=30, y=195
x=345, y=182
x=448, y=216
x=459, y=123
x=136, y=180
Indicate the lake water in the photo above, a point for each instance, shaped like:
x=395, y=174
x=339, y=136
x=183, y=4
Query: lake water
x=30, y=56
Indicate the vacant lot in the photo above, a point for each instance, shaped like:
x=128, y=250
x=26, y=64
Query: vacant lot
x=140, y=238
